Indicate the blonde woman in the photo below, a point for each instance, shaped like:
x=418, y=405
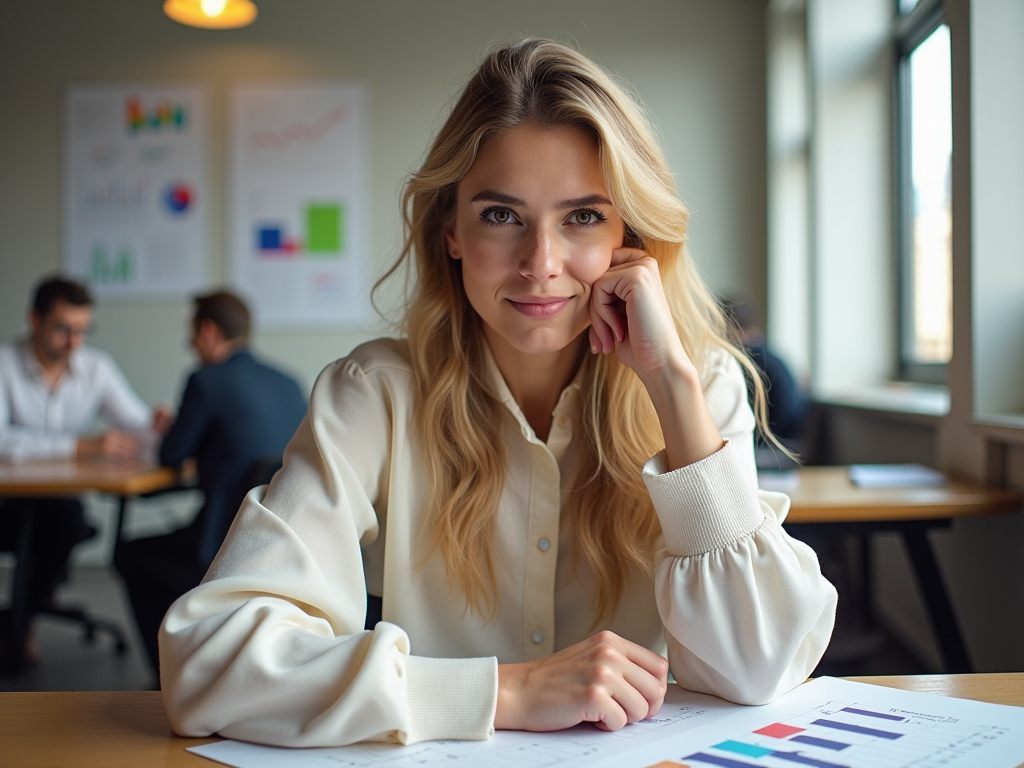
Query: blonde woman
x=550, y=482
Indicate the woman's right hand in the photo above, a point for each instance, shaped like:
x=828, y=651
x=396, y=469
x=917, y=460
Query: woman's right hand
x=604, y=680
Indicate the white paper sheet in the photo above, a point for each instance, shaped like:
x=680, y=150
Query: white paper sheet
x=895, y=476
x=827, y=723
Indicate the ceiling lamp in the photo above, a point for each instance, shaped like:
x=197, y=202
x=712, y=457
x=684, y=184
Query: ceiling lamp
x=212, y=14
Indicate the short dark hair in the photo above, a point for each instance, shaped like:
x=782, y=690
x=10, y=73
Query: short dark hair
x=55, y=288
x=226, y=311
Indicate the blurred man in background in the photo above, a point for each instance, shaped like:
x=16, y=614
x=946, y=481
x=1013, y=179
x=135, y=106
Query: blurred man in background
x=236, y=417
x=52, y=388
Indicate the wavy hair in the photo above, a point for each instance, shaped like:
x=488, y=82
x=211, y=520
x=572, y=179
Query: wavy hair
x=612, y=520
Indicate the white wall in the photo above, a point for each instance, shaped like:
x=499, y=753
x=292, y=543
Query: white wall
x=698, y=65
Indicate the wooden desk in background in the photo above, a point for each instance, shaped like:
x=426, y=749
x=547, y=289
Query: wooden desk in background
x=48, y=479
x=825, y=496
x=130, y=728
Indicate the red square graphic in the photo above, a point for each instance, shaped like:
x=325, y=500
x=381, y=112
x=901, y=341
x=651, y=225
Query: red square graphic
x=778, y=730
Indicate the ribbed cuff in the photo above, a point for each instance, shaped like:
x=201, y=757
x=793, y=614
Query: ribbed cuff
x=451, y=698
x=704, y=506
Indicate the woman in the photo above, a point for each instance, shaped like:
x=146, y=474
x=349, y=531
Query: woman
x=491, y=476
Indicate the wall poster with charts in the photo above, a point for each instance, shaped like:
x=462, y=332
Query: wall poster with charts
x=135, y=189
x=300, y=202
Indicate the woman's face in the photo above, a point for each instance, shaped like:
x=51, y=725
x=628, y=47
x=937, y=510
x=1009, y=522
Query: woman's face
x=534, y=228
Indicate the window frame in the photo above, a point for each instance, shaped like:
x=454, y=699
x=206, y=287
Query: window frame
x=911, y=30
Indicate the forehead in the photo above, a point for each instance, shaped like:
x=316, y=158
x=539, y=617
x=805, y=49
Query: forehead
x=555, y=162
x=69, y=314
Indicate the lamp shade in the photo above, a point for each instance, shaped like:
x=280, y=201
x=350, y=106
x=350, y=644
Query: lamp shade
x=212, y=14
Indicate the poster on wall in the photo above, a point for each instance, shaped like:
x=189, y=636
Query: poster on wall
x=135, y=189
x=299, y=198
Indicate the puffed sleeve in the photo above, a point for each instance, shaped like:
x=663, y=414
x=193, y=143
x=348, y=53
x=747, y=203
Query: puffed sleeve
x=747, y=613
x=271, y=648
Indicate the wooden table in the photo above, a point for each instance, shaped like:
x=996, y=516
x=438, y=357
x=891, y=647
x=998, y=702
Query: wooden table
x=825, y=496
x=129, y=729
x=68, y=477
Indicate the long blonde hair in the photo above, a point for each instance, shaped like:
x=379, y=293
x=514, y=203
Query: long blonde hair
x=613, y=523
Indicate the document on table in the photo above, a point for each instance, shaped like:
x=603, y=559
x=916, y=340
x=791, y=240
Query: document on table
x=896, y=476
x=827, y=723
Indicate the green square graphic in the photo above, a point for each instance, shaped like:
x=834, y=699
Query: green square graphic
x=324, y=228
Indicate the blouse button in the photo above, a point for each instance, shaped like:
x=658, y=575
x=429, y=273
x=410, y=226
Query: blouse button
x=537, y=637
x=543, y=545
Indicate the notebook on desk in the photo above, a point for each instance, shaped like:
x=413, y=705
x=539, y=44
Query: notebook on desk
x=895, y=476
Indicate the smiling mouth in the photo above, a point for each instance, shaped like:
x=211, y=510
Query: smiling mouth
x=540, y=306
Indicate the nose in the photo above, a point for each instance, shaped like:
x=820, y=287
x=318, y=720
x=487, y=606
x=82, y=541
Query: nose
x=542, y=257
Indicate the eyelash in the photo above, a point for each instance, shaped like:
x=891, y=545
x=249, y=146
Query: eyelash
x=599, y=218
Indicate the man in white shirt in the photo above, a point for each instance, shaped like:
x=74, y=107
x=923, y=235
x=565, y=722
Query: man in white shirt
x=51, y=391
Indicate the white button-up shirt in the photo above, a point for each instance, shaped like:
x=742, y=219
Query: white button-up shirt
x=37, y=422
x=271, y=647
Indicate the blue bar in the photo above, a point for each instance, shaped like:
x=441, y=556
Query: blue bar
x=796, y=757
x=743, y=749
x=724, y=762
x=858, y=729
x=269, y=238
x=869, y=713
x=823, y=743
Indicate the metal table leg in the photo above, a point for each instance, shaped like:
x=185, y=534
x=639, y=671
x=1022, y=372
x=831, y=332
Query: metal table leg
x=933, y=589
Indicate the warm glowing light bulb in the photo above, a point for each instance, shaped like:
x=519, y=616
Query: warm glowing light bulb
x=213, y=8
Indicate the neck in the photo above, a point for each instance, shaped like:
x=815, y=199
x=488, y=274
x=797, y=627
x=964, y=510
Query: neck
x=535, y=381
x=225, y=349
x=53, y=368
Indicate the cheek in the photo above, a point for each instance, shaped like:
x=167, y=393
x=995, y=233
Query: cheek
x=591, y=261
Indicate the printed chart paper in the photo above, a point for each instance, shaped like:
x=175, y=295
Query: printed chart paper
x=135, y=189
x=827, y=723
x=300, y=202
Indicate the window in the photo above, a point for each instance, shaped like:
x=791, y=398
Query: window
x=925, y=143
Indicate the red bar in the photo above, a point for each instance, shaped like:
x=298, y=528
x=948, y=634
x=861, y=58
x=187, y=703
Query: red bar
x=778, y=730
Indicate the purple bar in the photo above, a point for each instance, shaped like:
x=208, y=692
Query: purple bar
x=869, y=713
x=858, y=729
x=814, y=741
x=724, y=762
x=795, y=757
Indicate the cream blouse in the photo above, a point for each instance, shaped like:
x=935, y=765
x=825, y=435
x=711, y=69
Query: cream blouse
x=271, y=648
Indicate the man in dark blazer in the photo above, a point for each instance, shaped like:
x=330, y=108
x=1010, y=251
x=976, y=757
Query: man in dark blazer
x=236, y=417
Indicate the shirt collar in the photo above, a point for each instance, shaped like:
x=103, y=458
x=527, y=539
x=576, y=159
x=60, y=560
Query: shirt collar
x=35, y=368
x=566, y=401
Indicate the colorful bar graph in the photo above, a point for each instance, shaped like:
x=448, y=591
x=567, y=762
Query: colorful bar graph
x=814, y=741
x=858, y=729
x=869, y=713
x=779, y=730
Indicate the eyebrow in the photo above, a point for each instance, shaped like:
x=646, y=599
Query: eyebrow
x=492, y=196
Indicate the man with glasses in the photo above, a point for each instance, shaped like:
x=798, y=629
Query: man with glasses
x=52, y=388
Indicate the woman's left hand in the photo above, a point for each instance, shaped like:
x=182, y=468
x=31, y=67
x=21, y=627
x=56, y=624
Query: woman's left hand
x=630, y=315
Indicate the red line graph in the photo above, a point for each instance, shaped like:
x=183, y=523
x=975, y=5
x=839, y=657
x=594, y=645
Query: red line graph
x=299, y=131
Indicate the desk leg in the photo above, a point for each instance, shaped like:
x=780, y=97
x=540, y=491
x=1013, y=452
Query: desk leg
x=940, y=610
x=122, y=509
x=18, y=616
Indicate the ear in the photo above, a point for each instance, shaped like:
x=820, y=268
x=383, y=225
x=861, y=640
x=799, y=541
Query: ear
x=453, y=244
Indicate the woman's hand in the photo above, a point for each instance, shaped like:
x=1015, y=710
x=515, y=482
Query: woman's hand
x=604, y=680
x=630, y=314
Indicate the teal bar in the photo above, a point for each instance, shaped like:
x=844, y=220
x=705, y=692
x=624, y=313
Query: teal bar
x=743, y=749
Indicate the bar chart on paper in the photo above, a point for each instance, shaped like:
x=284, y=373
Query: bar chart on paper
x=827, y=723
x=838, y=735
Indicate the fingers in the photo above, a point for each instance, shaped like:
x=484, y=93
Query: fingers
x=119, y=445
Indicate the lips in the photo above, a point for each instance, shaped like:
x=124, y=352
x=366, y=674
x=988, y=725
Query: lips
x=540, y=306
